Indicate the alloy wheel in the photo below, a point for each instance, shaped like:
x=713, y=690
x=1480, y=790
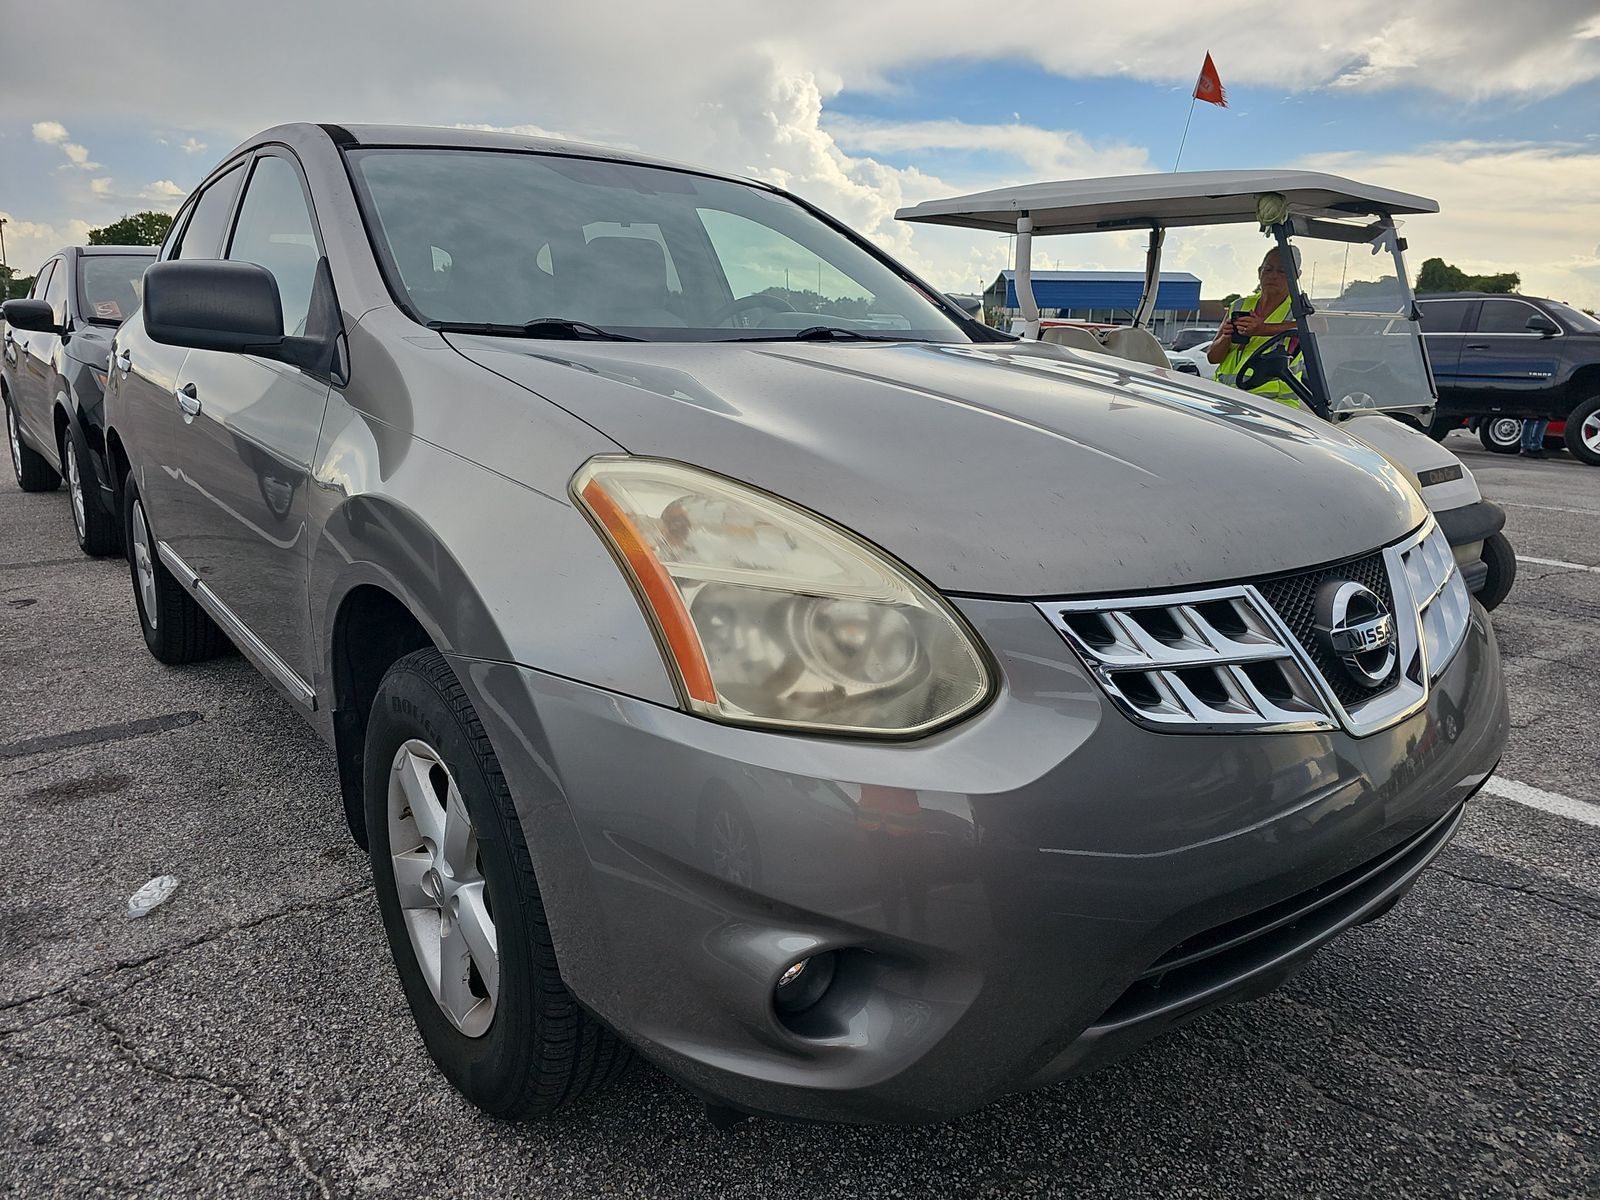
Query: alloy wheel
x=438, y=879
x=1590, y=431
x=144, y=566
x=14, y=436
x=80, y=517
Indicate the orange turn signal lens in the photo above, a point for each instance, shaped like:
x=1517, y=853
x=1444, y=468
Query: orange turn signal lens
x=659, y=592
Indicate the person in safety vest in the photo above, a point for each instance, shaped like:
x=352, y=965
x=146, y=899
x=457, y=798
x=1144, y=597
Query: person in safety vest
x=1253, y=320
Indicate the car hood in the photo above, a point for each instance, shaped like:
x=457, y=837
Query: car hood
x=1011, y=470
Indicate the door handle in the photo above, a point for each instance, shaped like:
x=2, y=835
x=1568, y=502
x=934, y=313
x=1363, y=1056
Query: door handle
x=1477, y=345
x=124, y=362
x=188, y=400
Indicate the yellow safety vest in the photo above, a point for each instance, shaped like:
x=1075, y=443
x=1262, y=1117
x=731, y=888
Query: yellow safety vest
x=1228, y=368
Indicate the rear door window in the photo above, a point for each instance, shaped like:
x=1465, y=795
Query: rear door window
x=42, y=281
x=202, y=237
x=55, y=292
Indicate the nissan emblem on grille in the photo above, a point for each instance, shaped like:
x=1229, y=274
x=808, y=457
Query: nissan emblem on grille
x=1358, y=627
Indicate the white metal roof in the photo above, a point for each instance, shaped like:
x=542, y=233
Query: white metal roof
x=1168, y=200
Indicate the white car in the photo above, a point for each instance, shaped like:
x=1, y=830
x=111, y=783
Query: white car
x=1197, y=356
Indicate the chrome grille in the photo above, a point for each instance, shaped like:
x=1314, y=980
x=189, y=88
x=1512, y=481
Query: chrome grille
x=1294, y=598
x=1247, y=656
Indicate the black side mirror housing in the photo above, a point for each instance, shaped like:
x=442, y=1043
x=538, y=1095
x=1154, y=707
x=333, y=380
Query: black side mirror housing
x=1543, y=325
x=33, y=315
x=234, y=307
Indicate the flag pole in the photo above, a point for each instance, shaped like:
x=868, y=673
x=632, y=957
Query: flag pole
x=1185, y=137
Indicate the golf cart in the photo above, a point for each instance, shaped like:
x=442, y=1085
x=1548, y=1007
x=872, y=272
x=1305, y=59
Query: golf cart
x=1356, y=357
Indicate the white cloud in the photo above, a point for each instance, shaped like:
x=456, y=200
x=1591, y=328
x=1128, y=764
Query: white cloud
x=29, y=243
x=100, y=187
x=78, y=156
x=190, y=146
x=164, y=193
x=755, y=101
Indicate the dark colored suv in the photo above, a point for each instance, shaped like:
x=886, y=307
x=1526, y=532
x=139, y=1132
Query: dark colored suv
x=1514, y=357
x=57, y=342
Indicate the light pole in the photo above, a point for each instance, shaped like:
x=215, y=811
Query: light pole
x=3, y=265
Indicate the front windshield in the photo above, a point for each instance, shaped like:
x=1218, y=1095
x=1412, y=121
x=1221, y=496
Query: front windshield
x=108, y=286
x=502, y=238
x=1577, y=320
x=1368, y=344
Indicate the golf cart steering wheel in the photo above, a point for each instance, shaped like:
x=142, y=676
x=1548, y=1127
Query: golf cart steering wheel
x=1272, y=362
x=744, y=303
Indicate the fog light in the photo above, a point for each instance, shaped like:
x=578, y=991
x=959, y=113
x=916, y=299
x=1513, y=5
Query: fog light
x=803, y=983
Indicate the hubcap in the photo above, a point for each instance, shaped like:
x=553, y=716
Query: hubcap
x=143, y=566
x=1506, y=432
x=14, y=436
x=80, y=517
x=1590, y=433
x=438, y=878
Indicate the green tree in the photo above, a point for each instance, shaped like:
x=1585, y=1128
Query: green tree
x=1231, y=297
x=1439, y=276
x=13, y=285
x=140, y=229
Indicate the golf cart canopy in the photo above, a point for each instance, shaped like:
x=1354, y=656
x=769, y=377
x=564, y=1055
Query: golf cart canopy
x=1162, y=201
x=1362, y=348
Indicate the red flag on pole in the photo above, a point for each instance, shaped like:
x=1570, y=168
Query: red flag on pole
x=1209, y=86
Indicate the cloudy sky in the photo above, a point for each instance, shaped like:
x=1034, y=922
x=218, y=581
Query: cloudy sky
x=1491, y=107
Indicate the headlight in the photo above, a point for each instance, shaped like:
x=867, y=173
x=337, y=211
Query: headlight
x=770, y=615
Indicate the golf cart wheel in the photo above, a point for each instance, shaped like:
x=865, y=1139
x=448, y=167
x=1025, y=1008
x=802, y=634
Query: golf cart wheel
x=465, y=921
x=1502, y=563
x=1583, y=432
x=1502, y=435
x=1439, y=428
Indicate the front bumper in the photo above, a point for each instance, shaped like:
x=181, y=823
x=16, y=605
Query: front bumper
x=1003, y=895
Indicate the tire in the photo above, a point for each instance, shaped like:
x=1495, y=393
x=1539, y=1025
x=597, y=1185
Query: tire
x=1502, y=435
x=176, y=629
x=33, y=471
x=97, y=530
x=1439, y=428
x=517, y=1046
x=1583, y=431
x=1502, y=563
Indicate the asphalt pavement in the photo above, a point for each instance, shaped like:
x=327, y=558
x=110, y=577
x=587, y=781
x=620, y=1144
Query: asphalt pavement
x=250, y=1038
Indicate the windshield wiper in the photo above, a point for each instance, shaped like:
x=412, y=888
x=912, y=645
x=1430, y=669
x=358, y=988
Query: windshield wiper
x=824, y=333
x=544, y=327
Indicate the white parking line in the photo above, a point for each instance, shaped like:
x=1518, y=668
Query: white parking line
x=1549, y=802
x=1582, y=512
x=1556, y=562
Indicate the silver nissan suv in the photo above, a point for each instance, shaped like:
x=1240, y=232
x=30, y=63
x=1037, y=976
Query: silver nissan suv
x=735, y=655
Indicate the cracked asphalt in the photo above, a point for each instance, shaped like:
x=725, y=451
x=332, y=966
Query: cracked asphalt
x=250, y=1038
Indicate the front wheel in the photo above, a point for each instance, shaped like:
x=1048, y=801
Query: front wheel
x=1502, y=435
x=1583, y=432
x=96, y=528
x=1502, y=563
x=34, y=473
x=461, y=906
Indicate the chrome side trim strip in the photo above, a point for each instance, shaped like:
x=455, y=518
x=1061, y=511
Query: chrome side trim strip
x=238, y=632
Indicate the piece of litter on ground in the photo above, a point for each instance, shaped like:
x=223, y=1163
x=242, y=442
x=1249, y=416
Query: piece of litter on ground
x=152, y=895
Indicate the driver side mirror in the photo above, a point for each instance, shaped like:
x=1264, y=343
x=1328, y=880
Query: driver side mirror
x=1543, y=325
x=234, y=307
x=34, y=315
